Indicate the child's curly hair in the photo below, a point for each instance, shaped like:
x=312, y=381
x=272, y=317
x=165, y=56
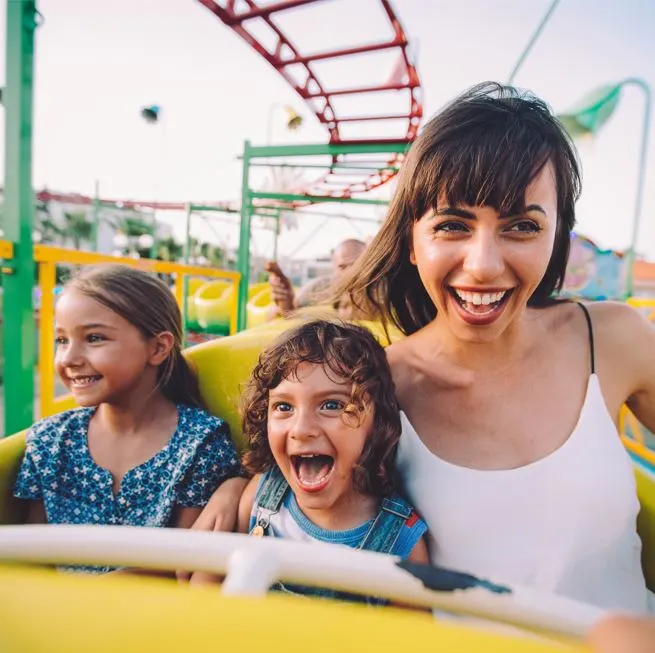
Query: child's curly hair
x=351, y=353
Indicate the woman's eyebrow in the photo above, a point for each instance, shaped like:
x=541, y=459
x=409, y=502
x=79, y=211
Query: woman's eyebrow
x=535, y=207
x=458, y=213
x=469, y=215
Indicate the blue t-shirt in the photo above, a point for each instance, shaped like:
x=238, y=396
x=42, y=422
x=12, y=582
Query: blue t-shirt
x=58, y=469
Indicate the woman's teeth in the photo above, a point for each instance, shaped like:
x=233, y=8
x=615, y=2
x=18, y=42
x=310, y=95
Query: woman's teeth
x=480, y=299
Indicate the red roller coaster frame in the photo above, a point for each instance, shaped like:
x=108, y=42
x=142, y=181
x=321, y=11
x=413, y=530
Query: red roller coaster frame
x=313, y=91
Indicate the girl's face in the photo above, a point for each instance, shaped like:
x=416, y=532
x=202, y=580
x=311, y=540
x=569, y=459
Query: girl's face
x=100, y=356
x=315, y=445
x=479, y=267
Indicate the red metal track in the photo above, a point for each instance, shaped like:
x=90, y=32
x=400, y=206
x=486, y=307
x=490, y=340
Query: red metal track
x=314, y=92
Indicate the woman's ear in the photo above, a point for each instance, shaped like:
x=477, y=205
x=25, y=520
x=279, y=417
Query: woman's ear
x=163, y=344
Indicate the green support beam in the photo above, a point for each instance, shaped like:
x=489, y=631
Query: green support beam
x=243, y=263
x=18, y=280
x=316, y=199
x=188, y=214
x=327, y=149
x=328, y=166
x=248, y=209
x=96, y=217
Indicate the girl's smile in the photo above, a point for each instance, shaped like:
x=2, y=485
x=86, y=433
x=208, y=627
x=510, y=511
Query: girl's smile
x=100, y=356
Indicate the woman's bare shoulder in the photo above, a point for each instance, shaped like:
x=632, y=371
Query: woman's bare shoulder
x=623, y=332
x=402, y=360
x=619, y=325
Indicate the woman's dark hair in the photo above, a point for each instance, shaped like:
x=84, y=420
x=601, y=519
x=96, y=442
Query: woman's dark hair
x=146, y=302
x=349, y=353
x=482, y=149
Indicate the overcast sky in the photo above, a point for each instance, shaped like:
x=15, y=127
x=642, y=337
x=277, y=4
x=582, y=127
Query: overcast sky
x=99, y=62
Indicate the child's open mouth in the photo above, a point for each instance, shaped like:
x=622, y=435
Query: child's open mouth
x=313, y=470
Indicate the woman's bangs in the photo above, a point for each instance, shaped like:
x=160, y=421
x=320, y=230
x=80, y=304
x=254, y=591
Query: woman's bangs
x=482, y=168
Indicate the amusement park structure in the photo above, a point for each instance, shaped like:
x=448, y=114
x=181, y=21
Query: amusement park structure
x=344, y=174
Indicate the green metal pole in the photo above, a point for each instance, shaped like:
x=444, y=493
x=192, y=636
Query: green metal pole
x=277, y=234
x=329, y=149
x=187, y=255
x=315, y=199
x=641, y=179
x=18, y=315
x=153, y=233
x=96, y=216
x=17, y=312
x=532, y=41
x=243, y=262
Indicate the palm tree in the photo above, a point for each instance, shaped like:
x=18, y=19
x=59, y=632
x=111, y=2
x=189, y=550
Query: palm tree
x=169, y=250
x=78, y=229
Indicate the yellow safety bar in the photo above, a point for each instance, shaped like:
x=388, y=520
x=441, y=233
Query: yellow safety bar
x=47, y=257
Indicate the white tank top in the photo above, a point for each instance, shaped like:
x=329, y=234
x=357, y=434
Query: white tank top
x=565, y=524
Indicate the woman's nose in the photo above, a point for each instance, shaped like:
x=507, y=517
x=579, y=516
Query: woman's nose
x=484, y=258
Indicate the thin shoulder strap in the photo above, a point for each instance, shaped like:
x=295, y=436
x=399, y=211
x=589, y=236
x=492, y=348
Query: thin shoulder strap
x=591, y=336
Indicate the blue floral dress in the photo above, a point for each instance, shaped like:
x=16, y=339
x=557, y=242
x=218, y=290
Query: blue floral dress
x=59, y=470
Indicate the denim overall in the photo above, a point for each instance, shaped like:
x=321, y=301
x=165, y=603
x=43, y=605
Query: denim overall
x=381, y=536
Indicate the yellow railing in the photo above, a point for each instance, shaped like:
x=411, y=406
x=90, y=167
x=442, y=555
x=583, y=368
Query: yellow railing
x=48, y=257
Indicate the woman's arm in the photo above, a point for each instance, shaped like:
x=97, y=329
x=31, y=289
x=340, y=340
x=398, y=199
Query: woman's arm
x=642, y=400
x=626, y=358
x=220, y=513
x=245, y=505
x=623, y=634
x=420, y=553
x=186, y=517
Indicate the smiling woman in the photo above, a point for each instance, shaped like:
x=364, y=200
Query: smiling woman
x=509, y=397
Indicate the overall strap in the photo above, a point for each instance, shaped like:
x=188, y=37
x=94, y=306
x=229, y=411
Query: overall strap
x=384, y=532
x=585, y=310
x=269, y=499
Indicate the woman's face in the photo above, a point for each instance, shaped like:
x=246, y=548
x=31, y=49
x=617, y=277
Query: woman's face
x=480, y=267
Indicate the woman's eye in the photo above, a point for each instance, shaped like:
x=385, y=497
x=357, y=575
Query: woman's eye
x=60, y=340
x=333, y=404
x=282, y=407
x=451, y=227
x=94, y=338
x=524, y=227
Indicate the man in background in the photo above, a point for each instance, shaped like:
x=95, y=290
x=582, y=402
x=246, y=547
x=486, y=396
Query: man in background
x=317, y=291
